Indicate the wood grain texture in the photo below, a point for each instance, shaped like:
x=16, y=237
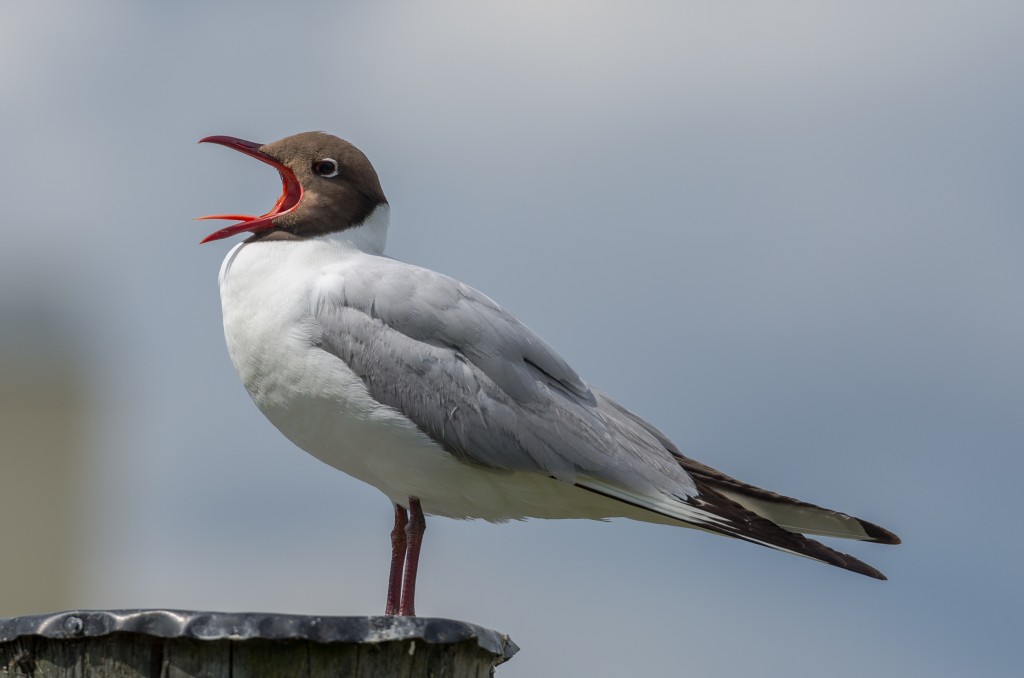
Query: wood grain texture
x=133, y=655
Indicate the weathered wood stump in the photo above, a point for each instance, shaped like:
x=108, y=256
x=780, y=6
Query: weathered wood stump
x=180, y=644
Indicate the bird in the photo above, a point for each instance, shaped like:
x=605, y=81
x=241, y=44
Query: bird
x=428, y=390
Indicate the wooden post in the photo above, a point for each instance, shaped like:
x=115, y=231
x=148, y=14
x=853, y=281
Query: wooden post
x=180, y=644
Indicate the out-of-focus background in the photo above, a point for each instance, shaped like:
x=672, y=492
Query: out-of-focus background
x=790, y=234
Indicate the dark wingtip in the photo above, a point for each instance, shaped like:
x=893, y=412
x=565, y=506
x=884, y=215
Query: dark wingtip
x=860, y=567
x=879, y=535
x=752, y=527
x=818, y=551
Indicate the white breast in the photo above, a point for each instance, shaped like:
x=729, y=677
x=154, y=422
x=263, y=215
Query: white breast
x=313, y=397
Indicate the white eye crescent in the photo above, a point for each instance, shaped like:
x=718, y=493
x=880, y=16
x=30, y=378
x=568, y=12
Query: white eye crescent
x=326, y=167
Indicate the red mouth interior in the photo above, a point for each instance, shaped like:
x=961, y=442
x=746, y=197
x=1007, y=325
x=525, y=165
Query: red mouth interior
x=291, y=192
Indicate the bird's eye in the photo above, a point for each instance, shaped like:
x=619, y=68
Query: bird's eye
x=328, y=167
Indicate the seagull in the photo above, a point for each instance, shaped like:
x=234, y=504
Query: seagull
x=431, y=392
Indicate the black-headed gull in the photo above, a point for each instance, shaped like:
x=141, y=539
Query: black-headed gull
x=431, y=392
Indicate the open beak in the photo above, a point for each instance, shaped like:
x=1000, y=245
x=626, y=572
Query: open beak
x=290, y=195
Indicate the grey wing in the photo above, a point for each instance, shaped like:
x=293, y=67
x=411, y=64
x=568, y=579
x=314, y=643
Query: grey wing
x=480, y=383
x=491, y=392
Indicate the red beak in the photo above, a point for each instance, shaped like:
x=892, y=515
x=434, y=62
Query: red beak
x=290, y=195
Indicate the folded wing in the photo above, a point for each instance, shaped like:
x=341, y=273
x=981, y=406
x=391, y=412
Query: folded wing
x=491, y=392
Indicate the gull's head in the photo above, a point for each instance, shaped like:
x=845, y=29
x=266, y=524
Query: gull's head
x=328, y=186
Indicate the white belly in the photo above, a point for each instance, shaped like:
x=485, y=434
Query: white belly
x=312, y=397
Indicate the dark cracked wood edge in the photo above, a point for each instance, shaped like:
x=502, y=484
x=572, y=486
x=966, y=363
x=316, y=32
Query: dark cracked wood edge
x=254, y=625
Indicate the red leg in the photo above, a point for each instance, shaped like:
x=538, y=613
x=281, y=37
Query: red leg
x=415, y=529
x=398, y=544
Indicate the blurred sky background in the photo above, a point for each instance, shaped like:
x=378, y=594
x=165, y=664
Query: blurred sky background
x=789, y=234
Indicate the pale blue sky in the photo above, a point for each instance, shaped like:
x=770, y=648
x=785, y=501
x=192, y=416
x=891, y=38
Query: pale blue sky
x=791, y=236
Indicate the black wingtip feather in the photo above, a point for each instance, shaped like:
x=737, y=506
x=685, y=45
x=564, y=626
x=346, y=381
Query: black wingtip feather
x=749, y=526
x=879, y=535
x=710, y=477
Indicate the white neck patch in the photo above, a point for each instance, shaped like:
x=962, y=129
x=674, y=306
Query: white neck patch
x=370, y=236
